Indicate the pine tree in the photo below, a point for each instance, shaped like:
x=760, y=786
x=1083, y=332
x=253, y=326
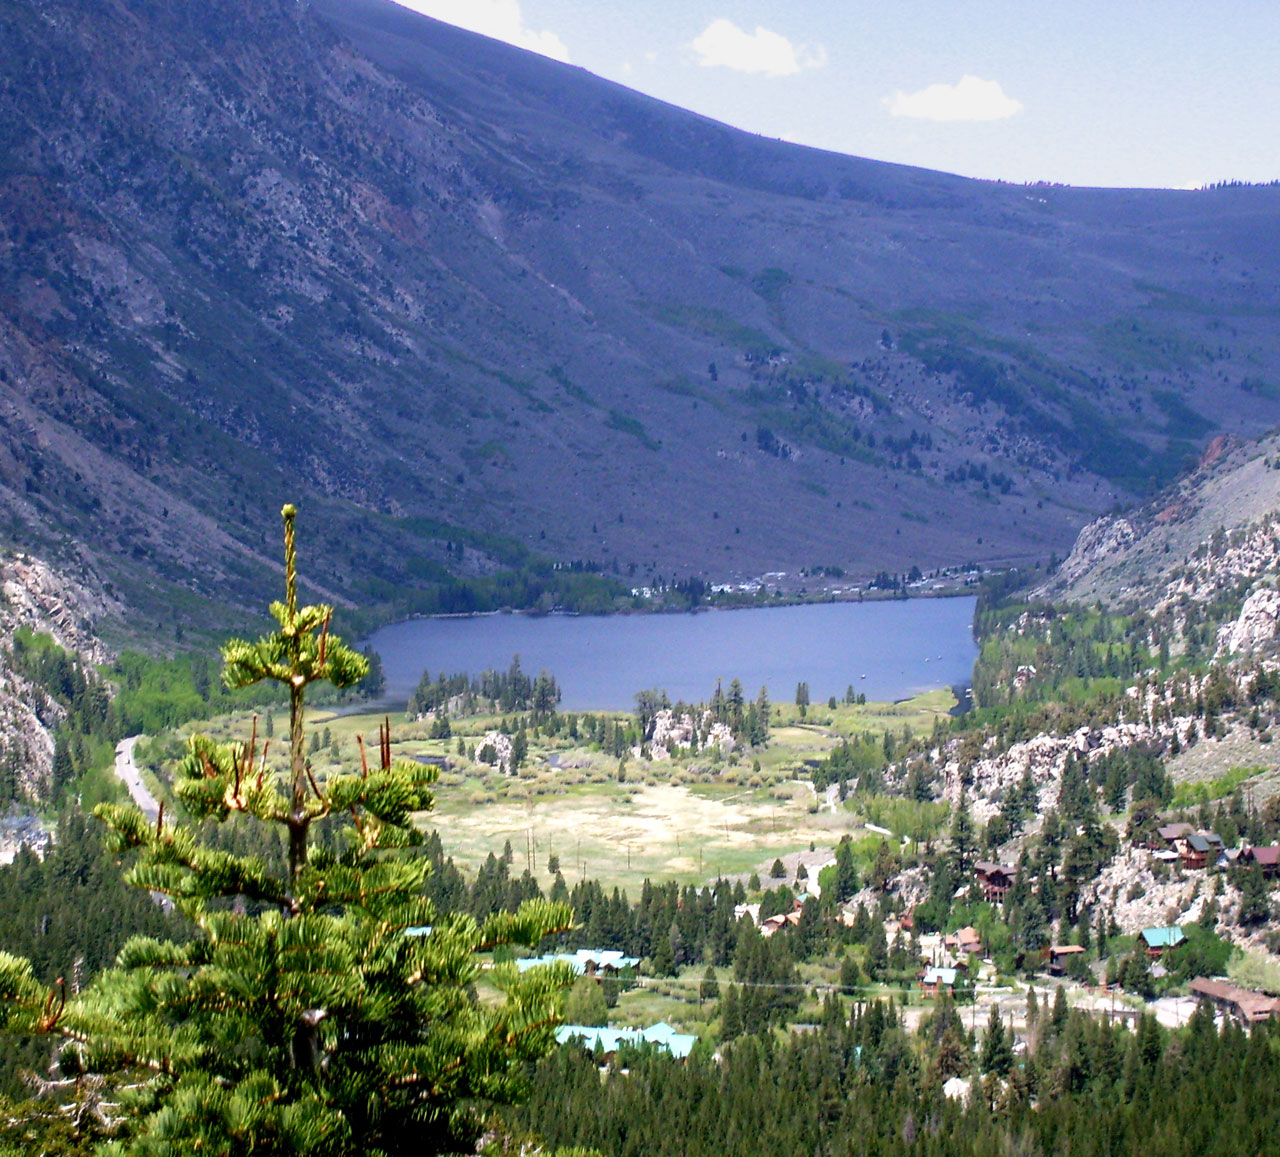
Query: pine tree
x=762, y=706
x=731, y=1025
x=997, y=1048
x=846, y=871
x=328, y=1022
x=1255, y=903
x=963, y=841
x=585, y=1004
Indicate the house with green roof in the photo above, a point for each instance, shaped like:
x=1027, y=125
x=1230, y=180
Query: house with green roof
x=1158, y=941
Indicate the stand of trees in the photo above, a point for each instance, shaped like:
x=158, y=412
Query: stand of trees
x=860, y=1085
x=496, y=691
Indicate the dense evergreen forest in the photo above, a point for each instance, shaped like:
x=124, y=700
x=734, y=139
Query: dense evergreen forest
x=68, y=913
x=860, y=1086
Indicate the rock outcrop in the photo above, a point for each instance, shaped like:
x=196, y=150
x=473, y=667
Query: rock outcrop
x=33, y=595
x=36, y=596
x=1097, y=543
x=1256, y=627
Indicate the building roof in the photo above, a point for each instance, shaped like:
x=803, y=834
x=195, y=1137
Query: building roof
x=1065, y=949
x=1268, y=856
x=1253, y=1006
x=581, y=960
x=1174, y=831
x=678, y=1044
x=945, y=976
x=1163, y=937
x=1197, y=843
x=1216, y=989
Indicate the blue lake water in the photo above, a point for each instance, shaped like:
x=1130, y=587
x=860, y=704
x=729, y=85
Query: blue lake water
x=886, y=650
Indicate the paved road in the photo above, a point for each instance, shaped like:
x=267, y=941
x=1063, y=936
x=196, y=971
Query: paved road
x=128, y=772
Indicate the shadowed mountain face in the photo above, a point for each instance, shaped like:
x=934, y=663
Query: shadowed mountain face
x=438, y=290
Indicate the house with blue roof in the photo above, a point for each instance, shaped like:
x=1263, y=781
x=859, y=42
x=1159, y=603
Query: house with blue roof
x=936, y=979
x=585, y=962
x=1158, y=941
x=609, y=1040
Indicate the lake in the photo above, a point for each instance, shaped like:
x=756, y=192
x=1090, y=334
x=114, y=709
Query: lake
x=886, y=650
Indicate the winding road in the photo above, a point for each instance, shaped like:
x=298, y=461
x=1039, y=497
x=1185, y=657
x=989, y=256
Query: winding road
x=131, y=777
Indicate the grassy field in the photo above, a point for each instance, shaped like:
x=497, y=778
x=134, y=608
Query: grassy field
x=618, y=825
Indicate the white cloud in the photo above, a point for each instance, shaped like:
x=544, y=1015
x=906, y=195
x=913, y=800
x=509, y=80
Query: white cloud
x=501, y=19
x=725, y=45
x=972, y=99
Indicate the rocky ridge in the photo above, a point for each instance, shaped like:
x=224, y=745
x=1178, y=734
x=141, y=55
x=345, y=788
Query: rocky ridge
x=1216, y=530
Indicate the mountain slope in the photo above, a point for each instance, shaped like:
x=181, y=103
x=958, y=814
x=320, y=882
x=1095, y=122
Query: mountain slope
x=437, y=289
x=1213, y=533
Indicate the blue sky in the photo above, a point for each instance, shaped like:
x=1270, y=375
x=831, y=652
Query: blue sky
x=1126, y=93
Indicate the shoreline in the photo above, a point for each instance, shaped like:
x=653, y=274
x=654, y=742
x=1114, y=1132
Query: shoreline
x=961, y=692
x=876, y=596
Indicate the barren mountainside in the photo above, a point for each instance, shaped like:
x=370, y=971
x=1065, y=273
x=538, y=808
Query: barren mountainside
x=438, y=290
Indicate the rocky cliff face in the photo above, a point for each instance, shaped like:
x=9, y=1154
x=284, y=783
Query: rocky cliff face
x=34, y=596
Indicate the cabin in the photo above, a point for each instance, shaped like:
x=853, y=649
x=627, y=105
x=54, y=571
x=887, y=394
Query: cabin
x=777, y=923
x=1265, y=858
x=965, y=942
x=1060, y=956
x=1197, y=852
x=995, y=880
x=1158, y=941
x=610, y=1040
x=935, y=980
x=1248, y=1007
x=1170, y=837
x=600, y=962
